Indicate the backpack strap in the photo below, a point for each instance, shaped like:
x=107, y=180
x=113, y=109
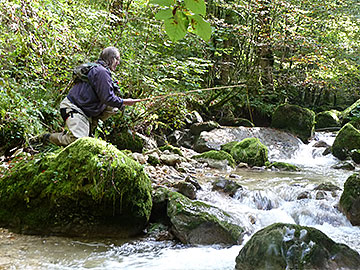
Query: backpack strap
x=65, y=115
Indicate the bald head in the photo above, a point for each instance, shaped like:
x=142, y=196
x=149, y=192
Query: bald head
x=111, y=57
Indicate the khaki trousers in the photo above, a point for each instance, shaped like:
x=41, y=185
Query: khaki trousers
x=78, y=124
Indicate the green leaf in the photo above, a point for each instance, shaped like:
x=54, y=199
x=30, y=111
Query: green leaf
x=201, y=27
x=164, y=3
x=176, y=27
x=164, y=14
x=196, y=6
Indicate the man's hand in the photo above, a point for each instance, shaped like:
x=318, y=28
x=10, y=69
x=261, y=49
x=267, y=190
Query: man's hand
x=130, y=101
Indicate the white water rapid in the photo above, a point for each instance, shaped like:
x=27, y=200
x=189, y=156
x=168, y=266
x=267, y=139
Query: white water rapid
x=267, y=197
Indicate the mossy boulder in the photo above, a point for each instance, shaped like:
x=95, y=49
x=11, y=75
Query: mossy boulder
x=228, y=146
x=283, y=166
x=126, y=140
x=197, y=128
x=195, y=222
x=347, y=139
x=295, y=119
x=288, y=246
x=250, y=151
x=88, y=188
x=352, y=113
x=216, y=159
x=328, y=119
x=350, y=199
x=172, y=149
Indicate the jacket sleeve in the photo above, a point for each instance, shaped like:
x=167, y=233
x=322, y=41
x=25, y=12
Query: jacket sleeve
x=103, y=87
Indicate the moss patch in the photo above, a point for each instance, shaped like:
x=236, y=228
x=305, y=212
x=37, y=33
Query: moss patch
x=283, y=166
x=90, y=182
x=328, y=119
x=350, y=198
x=250, y=151
x=297, y=120
x=347, y=139
x=172, y=149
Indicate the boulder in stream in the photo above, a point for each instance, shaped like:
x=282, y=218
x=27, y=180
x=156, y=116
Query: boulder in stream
x=195, y=222
x=216, y=159
x=347, y=139
x=297, y=120
x=90, y=188
x=350, y=199
x=250, y=151
x=289, y=246
x=328, y=119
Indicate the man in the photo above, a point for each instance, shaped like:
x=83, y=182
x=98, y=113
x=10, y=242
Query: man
x=89, y=101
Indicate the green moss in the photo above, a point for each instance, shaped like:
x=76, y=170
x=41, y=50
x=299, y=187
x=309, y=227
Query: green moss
x=283, y=166
x=250, y=151
x=328, y=119
x=228, y=146
x=283, y=246
x=172, y=149
x=347, y=139
x=217, y=155
x=351, y=113
x=297, y=120
x=89, y=178
x=351, y=192
x=125, y=140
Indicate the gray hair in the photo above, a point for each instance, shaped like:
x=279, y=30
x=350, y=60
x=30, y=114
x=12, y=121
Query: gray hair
x=108, y=55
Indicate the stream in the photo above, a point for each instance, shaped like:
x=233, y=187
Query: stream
x=267, y=197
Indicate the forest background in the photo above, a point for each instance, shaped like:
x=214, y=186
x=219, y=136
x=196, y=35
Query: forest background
x=303, y=52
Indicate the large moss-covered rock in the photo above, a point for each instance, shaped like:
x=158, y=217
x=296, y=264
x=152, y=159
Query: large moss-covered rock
x=88, y=188
x=127, y=140
x=250, y=151
x=216, y=159
x=195, y=222
x=288, y=246
x=295, y=119
x=350, y=199
x=327, y=119
x=347, y=139
x=351, y=113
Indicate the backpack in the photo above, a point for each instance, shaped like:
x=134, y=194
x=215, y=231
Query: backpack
x=80, y=73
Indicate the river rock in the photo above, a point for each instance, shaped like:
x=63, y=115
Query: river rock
x=295, y=119
x=327, y=119
x=195, y=222
x=283, y=166
x=281, y=143
x=351, y=113
x=250, y=151
x=226, y=185
x=216, y=159
x=350, y=199
x=347, y=139
x=89, y=188
x=288, y=246
x=197, y=128
x=187, y=189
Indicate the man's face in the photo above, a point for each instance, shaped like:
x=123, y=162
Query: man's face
x=115, y=63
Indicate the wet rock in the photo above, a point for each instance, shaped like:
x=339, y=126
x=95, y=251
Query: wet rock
x=139, y=158
x=321, y=144
x=350, y=199
x=171, y=159
x=197, y=128
x=328, y=119
x=297, y=120
x=355, y=155
x=88, y=188
x=181, y=138
x=216, y=159
x=187, y=189
x=280, y=142
x=327, y=151
x=227, y=186
x=347, y=139
x=327, y=187
x=159, y=232
x=250, y=151
x=344, y=166
x=236, y=122
x=320, y=195
x=194, y=182
x=304, y=195
x=171, y=149
x=283, y=166
x=195, y=222
x=290, y=246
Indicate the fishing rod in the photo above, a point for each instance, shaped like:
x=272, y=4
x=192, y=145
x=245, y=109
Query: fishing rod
x=191, y=91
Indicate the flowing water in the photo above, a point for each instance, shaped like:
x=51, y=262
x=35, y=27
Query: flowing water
x=267, y=197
